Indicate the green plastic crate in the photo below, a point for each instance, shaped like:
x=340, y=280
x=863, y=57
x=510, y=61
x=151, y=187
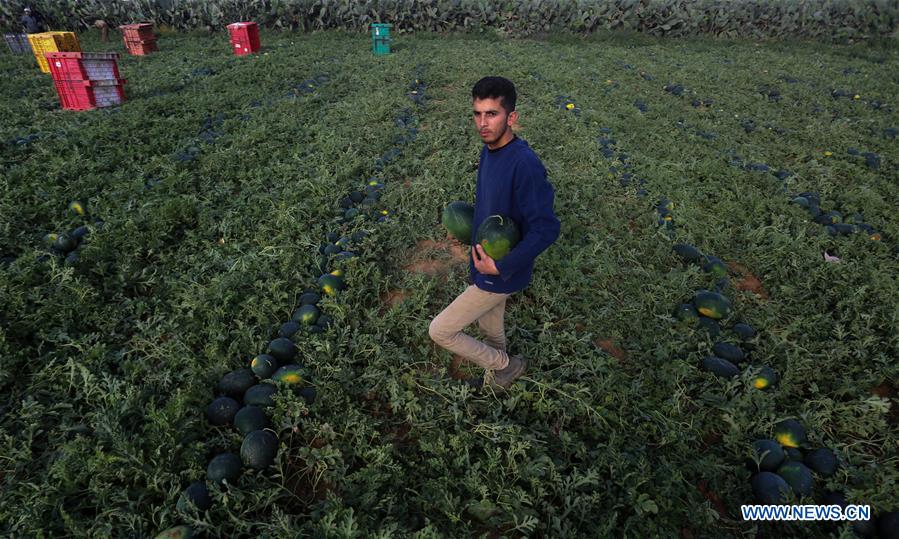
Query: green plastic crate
x=380, y=38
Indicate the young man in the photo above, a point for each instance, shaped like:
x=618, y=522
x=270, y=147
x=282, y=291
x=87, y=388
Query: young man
x=511, y=182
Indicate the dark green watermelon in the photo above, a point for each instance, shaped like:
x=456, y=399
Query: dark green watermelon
x=235, y=383
x=221, y=411
x=770, y=488
x=822, y=461
x=769, y=456
x=225, y=466
x=258, y=449
x=457, y=218
x=498, y=235
x=798, y=476
x=250, y=418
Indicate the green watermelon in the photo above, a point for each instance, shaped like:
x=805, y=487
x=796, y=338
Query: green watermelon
x=260, y=395
x=765, y=378
x=263, y=366
x=798, y=476
x=258, y=449
x=221, y=411
x=196, y=494
x=250, y=418
x=225, y=466
x=457, y=219
x=790, y=433
x=282, y=349
x=235, y=383
x=769, y=455
x=770, y=488
x=822, y=461
x=688, y=253
x=290, y=374
x=497, y=235
x=711, y=304
x=331, y=284
x=306, y=315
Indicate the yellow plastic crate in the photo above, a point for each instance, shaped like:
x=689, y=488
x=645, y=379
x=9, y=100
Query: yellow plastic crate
x=52, y=42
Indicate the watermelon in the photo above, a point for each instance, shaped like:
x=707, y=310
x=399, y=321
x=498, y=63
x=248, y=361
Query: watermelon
x=457, y=218
x=258, y=449
x=765, y=378
x=711, y=304
x=221, y=411
x=235, y=383
x=790, y=433
x=310, y=298
x=770, y=488
x=224, y=467
x=290, y=374
x=720, y=367
x=196, y=494
x=306, y=315
x=798, y=476
x=330, y=284
x=715, y=266
x=728, y=351
x=263, y=366
x=769, y=455
x=77, y=208
x=822, y=461
x=282, y=349
x=497, y=235
x=688, y=253
x=288, y=329
x=744, y=331
x=250, y=418
x=260, y=395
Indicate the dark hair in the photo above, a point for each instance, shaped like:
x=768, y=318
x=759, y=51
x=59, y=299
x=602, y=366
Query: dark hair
x=493, y=88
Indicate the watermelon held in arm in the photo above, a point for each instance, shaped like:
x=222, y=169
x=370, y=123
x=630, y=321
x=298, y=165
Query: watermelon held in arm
x=498, y=235
x=458, y=220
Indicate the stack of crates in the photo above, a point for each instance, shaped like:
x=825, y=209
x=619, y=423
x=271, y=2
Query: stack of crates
x=87, y=80
x=46, y=42
x=17, y=43
x=244, y=37
x=139, y=38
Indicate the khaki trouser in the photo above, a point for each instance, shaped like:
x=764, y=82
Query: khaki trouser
x=488, y=309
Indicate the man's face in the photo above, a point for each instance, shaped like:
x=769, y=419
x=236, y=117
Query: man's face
x=491, y=119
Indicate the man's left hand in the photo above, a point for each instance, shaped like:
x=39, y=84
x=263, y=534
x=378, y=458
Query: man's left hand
x=483, y=263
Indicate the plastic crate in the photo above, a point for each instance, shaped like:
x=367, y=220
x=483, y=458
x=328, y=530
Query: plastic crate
x=52, y=42
x=244, y=37
x=90, y=94
x=141, y=48
x=18, y=43
x=380, y=38
x=142, y=31
x=83, y=65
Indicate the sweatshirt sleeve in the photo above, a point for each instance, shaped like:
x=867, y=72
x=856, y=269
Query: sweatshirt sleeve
x=534, y=197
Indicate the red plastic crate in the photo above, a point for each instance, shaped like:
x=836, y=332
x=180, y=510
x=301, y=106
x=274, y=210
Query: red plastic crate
x=83, y=65
x=90, y=94
x=141, y=48
x=138, y=32
x=244, y=37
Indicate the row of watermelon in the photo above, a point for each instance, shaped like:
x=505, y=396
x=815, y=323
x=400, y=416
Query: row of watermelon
x=832, y=220
x=780, y=468
x=257, y=385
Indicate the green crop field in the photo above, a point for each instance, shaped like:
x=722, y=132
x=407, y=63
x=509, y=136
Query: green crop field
x=219, y=194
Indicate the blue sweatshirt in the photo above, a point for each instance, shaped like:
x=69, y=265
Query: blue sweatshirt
x=512, y=182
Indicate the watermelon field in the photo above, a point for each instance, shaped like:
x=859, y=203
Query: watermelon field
x=719, y=199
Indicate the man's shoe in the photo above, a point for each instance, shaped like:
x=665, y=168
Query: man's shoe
x=503, y=378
